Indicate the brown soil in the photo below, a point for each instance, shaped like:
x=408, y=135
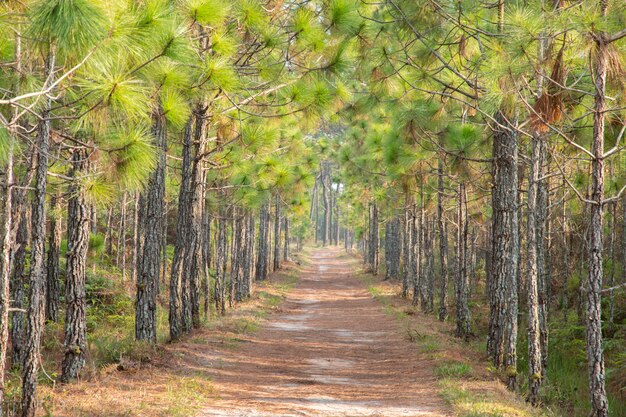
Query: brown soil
x=331, y=351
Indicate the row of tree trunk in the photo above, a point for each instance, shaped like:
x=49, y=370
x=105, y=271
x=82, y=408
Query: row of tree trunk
x=218, y=252
x=324, y=212
x=409, y=242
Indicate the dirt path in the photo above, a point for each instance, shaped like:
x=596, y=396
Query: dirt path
x=331, y=351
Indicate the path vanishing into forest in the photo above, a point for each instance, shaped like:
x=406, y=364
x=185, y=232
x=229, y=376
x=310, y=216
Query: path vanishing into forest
x=330, y=351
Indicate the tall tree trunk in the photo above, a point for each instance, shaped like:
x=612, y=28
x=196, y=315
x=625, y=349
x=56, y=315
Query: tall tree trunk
x=249, y=256
x=392, y=248
x=566, y=250
x=5, y=259
x=277, y=223
x=180, y=315
x=373, y=245
x=532, y=279
x=286, y=232
x=36, y=288
x=18, y=284
x=221, y=263
x=262, y=254
x=407, y=246
x=595, y=357
x=193, y=255
x=331, y=205
x=238, y=254
x=543, y=238
x=387, y=253
x=429, y=278
x=502, y=340
x=52, y=266
x=415, y=258
x=463, y=328
x=325, y=201
x=315, y=210
x=123, y=232
x=612, y=228
x=336, y=219
x=163, y=272
x=443, y=243
x=536, y=287
x=134, y=258
x=623, y=237
x=473, y=238
x=422, y=249
x=206, y=260
x=20, y=235
x=418, y=244
x=75, y=298
x=148, y=256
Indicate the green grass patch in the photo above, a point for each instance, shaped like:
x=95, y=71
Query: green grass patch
x=430, y=346
x=287, y=282
x=271, y=300
x=453, y=370
x=244, y=325
x=374, y=291
x=472, y=403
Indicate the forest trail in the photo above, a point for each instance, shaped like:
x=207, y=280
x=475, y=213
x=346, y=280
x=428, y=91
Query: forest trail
x=331, y=351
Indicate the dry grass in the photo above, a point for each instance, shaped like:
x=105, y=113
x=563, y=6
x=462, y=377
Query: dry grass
x=174, y=380
x=466, y=380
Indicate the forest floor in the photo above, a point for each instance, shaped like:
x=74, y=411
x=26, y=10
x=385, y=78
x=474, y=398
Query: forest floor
x=320, y=339
x=332, y=351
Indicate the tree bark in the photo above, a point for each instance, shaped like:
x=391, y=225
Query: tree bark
x=221, y=263
x=612, y=228
x=407, y=246
x=134, y=258
x=534, y=343
x=429, y=277
x=325, y=201
x=417, y=254
x=415, y=259
x=120, y=260
x=421, y=256
x=238, y=255
x=443, y=243
x=206, y=259
x=392, y=248
x=149, y=260
x=18, y=284
x=52, y=266
x=78, y=215
x=286, y=233
x=248, y=273
x=373, y=242
x=502, y=339
x=5, y=259
x=336, y=229
x=36, y=288
x=463, y=328
x=277, y=223
x=193, y=259
x=595, y=357
x=262, y=253
x=543, y=237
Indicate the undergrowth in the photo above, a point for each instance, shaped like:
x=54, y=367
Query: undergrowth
x=115, y=359
x=466, y=385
